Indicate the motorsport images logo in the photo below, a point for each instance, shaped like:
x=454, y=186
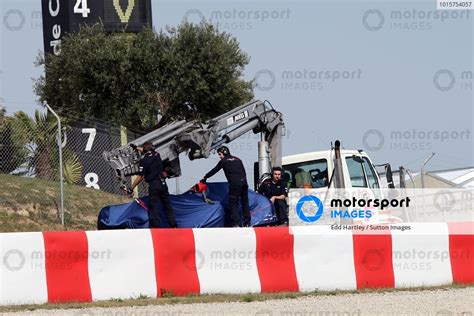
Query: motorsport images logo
x=306, y=205
x=301, y=203
x=310, y=208
x=411, y=19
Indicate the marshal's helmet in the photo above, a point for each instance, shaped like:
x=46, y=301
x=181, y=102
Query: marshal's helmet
x=148, y=146
x=223, y=150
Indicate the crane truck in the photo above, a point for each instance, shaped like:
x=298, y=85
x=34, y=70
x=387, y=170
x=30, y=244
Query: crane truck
x=200, y=138
x=337, y=168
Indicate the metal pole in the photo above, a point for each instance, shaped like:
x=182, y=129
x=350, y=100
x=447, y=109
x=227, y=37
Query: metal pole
x=403, y=189
x=423, y=179
x=61, y=180
x=414, y=190
x=401, y=174
x=423, y=169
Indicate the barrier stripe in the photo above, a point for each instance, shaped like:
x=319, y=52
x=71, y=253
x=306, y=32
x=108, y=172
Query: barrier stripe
x=373, y=260
x=421, y=255
x=66, y=260
x=121, y=264
x=275, y=262
x=175, y=261
x=22, y=274
x=461, y=251
x=226, y=260
x=324, y=258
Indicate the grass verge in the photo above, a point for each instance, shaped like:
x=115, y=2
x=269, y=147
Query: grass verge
x=28, y=204
x=215, y=298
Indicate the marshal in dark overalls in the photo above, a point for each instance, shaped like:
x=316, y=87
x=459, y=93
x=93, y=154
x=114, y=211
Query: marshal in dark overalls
x=238, y=188
x=151, y=170
x=275, y=189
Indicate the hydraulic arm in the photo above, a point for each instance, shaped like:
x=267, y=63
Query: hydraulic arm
x=199, y=139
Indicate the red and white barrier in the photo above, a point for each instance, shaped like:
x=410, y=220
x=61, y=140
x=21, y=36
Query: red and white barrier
x=99, y=265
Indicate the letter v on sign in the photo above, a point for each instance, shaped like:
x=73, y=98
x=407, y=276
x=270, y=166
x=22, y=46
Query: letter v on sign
x=124, y=16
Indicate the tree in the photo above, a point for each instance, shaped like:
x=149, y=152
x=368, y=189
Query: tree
x=204, y=69
x=101, y=76
x=13, y=143
x=42, y=148
x=3, y=111
x=41, y=131
x=188, y=71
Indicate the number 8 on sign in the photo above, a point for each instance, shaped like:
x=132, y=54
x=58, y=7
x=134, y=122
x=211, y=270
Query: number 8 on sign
x=92, y=180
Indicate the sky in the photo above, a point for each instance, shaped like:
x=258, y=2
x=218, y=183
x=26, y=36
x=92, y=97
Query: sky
x=392, y=78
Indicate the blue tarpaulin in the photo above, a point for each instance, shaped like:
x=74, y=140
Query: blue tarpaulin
x=190, y=210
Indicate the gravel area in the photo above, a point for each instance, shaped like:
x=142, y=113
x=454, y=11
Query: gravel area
x=442, y=302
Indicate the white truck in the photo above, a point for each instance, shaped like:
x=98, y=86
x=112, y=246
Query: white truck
x=350, y=172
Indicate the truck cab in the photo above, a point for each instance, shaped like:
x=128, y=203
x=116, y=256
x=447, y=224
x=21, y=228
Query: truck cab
x=316, y=172
x=313, y=170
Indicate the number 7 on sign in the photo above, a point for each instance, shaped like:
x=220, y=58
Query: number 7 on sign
x=90, y=141
x=81, y=8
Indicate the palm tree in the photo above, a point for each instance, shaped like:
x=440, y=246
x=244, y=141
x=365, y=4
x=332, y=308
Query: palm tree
x=44, y=158
x=42, y=131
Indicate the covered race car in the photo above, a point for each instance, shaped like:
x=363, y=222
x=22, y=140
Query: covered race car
x=190, y=209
